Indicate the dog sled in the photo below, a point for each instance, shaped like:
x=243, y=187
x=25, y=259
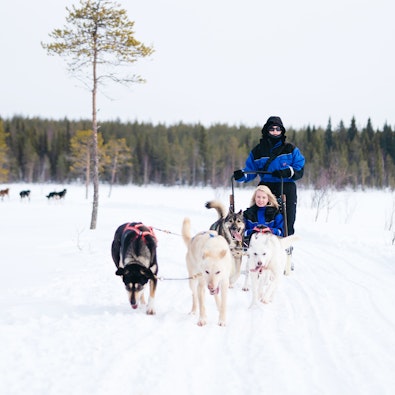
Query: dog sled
x=282, y=201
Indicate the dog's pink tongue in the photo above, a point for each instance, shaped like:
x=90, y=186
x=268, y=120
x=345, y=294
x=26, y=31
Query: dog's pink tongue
x=236, y=235
x=134, y=306
x=214, y=291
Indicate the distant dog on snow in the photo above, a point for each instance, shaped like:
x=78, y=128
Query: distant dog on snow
x=209, y=264
x=231, y=226
x=133, y=251
x=266, y=263
x=52, y=195
x=25, y=194
x=57, y=195
x=5, y=192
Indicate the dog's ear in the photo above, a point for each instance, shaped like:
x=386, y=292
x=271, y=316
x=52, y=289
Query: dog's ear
x=222, y=253
x=240, y=212
x=146, y=273
x=120, y=271
x=205, y=255
x=154, y=268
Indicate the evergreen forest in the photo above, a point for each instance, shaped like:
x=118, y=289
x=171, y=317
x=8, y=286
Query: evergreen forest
x=35, y=150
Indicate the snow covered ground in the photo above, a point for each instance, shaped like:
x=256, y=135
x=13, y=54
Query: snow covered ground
x=66, y=326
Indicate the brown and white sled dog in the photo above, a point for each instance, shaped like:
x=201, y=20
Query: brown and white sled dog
x=266, y=263
x=209, y=264
x=231, y=226
x=133, y=251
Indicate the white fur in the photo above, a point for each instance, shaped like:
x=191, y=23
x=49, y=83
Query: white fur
x=209, y=263
x=266, y=264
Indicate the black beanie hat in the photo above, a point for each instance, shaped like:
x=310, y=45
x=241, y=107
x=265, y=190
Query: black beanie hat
x=273, y=121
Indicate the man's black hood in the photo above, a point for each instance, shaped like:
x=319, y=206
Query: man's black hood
x=273, y=121
x=266, y=136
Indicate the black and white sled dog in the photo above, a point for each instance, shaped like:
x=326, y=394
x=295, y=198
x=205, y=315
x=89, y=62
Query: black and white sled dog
x=231, y=226
x=133, y=251
x=25, y=194
x=266, y=262
x=57, y=195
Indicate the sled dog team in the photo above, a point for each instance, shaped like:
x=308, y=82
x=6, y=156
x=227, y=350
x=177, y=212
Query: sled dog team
x=213, y=261
x=25, y=194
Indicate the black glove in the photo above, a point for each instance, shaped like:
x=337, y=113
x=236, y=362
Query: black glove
x=285, y=173
x=238, y=174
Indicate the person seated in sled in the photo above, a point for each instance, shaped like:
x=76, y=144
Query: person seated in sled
x=282, y=160
x=263, y=214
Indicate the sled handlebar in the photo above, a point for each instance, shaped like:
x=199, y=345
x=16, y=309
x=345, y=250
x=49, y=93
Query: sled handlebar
x=254, y=172
x=257, y=172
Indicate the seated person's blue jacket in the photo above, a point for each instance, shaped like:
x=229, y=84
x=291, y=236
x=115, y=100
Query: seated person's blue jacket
x=268, y=216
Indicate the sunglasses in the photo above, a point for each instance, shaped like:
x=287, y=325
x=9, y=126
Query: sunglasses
x=274, y=129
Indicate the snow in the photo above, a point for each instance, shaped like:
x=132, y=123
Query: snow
x=66, y=326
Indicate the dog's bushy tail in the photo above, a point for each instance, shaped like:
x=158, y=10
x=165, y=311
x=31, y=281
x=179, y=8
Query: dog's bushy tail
x=186, y=231
x=218, y=206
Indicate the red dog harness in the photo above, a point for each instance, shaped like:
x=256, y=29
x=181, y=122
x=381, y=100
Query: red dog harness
x=136, y=228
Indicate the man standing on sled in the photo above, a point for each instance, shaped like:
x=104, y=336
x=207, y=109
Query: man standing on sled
x=283, y=160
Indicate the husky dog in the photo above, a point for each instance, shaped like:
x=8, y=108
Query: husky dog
x=52, y=195
x=267, y=258
x=57, y=195
x=231, y=226
x=133, y=251
x=5, y=192
x=209, y=264
x=24, y=194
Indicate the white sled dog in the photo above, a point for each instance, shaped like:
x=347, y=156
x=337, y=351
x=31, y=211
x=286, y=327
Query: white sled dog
x=266, y=263
x=209, y=264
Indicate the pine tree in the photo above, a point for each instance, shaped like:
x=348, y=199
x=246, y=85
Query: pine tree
x=98, y=36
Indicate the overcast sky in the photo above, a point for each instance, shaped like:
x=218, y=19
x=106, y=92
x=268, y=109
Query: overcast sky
x=227, y=61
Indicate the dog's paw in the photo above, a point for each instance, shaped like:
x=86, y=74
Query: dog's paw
x=245, y=289
x=221, y=323
x=151, y=308
x=202, y=322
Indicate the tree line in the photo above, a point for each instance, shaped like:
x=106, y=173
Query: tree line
x=36, y=150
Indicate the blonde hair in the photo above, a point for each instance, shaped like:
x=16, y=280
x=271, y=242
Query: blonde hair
x=272, y=199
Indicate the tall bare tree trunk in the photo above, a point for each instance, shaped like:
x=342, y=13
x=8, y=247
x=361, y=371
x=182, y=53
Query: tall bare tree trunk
x=87, y=172
x=95, y=205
